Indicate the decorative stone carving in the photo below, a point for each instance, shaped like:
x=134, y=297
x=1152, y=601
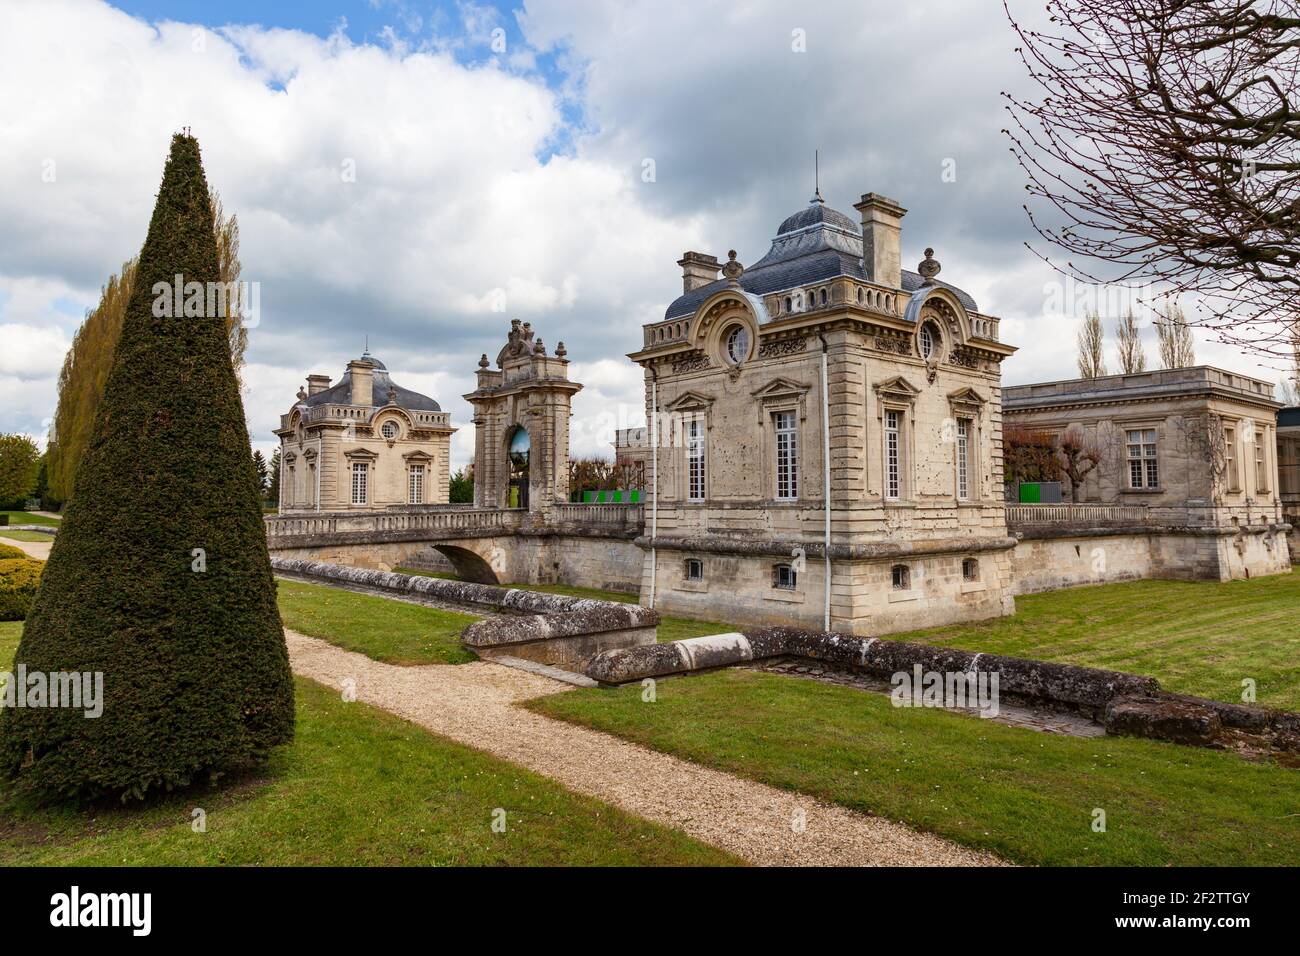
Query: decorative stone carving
x=929, y=267
x=782, y=347
x=898, y=346
x=693, y=363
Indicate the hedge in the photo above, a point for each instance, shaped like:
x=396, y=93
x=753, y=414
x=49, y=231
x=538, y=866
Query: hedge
x=19, y=579
x=9, y=551
x=196, y=672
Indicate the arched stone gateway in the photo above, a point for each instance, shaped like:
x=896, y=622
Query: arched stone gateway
x=521, y=425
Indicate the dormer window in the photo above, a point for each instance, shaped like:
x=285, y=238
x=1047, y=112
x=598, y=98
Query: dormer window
x=737, y=344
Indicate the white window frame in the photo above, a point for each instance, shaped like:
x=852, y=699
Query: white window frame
x=1231, y=474
x=785, y=426
x=697, y=472
x=694, y=570
x=963, y=459
x=415, y=474
x=785, y=577
x=905, y=577
x=1261, y=459
x=893, y=454
x=361, y=482
x=1143, y=457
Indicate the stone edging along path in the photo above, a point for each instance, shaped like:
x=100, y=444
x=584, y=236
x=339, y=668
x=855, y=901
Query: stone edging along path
x=477, y=704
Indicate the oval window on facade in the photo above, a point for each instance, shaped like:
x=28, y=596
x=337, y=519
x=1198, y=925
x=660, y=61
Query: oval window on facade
x=929, y=340
x=389, y=429
x=736, y=344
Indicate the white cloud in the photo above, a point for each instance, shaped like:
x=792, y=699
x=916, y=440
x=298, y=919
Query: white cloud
x=457, y=199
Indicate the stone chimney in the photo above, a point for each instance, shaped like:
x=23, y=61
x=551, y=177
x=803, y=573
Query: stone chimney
x=317, y=383
x=363, y=382
x=697, y=270
x=882, y=220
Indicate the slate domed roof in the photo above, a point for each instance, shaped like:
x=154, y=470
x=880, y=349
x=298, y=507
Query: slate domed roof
x=812, y=245
x=818, y=213
x=341, y=392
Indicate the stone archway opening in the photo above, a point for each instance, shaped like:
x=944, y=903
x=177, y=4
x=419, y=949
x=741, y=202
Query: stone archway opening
x=519, y=451
x=468, y=565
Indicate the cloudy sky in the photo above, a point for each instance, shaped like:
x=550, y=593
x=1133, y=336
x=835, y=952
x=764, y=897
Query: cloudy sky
x=421, y=172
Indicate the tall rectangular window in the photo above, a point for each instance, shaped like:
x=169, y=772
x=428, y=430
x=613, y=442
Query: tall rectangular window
x=1143, y=471
x=963, y=459
x=893, y=454
x=415, y=485
x=360, y=477
x=1261, y=470
x=787, y=456
x=695, y=460
x=1230, y=459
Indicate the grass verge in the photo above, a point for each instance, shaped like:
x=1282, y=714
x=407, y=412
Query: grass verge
x=28, y=517
x=356, y=787
x=384, y=629
x=1195, y=637
x=1029, y=796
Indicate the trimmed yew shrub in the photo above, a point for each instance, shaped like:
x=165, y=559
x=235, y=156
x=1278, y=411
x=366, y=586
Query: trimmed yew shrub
x=196, y=673
x=19, y=579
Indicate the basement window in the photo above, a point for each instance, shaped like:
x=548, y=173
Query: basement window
x=970, y=570
x=783, y=577
x=694, y=569
x=901, y=576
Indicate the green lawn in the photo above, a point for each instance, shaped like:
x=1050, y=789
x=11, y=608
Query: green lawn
x=13, y=535
x=27, y=517
x=356, y=787
x=1195, y=637
x=385, y=629
x=670, y=628
x=1026, y=795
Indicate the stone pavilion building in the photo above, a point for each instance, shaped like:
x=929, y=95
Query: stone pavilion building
x=364, y=443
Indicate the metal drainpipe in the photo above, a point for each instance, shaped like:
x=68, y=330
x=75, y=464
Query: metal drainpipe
x=654, y=480
x=826, y=476
x=320, y=463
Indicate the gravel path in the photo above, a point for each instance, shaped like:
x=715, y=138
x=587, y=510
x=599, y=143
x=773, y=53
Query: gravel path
x=475, y=704
x=34, y=549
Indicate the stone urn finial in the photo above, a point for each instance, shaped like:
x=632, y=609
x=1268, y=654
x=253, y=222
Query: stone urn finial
x=929, y=267
x=561, y=351
x=539, y=348
x=733, y=269
x=483, y=361
x=302, y=393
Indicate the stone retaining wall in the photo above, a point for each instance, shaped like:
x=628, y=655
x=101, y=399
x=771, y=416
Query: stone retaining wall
x=1126, y=704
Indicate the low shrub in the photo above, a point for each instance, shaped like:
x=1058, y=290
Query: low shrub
x=19, y=578
x=8, y=551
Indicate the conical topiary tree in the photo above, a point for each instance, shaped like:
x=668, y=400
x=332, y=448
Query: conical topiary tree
x=196, y=676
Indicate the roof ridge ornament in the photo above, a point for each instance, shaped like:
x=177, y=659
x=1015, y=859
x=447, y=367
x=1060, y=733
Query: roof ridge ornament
x=817, y=180
x=733, y=269
x=929, y=267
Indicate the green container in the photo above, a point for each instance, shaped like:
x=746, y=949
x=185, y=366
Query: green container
x=1031, y=492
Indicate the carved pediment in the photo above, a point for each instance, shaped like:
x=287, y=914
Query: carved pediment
x=688, y=401
x=418, y=456
x=780, y=388
x=897, y=389
x=967, y=399
x=359, y=454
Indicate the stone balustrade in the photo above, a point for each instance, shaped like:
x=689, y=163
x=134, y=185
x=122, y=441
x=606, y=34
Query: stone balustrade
x=1075, y=516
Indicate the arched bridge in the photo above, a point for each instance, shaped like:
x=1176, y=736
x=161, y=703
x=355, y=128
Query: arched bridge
x=569, y=543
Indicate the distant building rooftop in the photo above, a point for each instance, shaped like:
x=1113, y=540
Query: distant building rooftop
x=1158, y=383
